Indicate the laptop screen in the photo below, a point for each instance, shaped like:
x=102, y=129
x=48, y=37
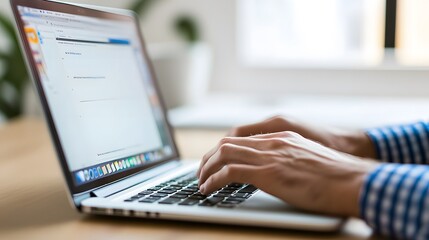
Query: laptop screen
x=100, y=92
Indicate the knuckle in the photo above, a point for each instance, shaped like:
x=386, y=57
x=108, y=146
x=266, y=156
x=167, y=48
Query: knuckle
x=292, y=134
x=203, y=172
x=230, y=170
x=279, y=171
x=277, y=167
x=277, y=142
x=272, y=170
x=225, y=148
x=276, y=119
x=225, y=140
x=206, y=156
x=280, y=167
x=288, y=133
x=210, y=180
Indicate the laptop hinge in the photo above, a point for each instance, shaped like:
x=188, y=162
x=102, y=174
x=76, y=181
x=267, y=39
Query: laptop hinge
x=139, y=178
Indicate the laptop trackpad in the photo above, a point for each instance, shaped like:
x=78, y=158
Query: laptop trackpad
x=264, y=202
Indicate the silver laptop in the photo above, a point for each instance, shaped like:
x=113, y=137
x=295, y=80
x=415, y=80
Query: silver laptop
x=107, y=121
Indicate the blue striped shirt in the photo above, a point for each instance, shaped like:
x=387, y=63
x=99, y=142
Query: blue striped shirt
x=395, y=197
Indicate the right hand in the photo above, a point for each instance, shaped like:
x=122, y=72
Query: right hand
x=354, y=142
x=297, y=170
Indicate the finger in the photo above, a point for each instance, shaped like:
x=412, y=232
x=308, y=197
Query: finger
x=231, y=173
x=273, y=124
x=230, y=154
x=284, y=134
x=246, y=130
x=249, y=142
x=205, y=158
x=251, y=129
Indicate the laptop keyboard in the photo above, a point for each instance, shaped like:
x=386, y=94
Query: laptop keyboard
x=183, y=191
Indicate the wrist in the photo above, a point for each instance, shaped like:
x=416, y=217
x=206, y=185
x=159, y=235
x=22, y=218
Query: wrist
x=358, y=143
x=345, y=193
x=351, y=193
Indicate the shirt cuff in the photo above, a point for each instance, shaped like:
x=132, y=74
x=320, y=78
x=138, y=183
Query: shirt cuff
x=402, y=143
x=394, y=201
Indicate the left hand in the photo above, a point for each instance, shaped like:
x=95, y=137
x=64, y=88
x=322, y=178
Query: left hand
x=299, y=171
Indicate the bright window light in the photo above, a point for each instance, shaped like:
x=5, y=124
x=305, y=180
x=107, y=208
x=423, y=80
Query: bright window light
x=311, y=32
x=412, y=36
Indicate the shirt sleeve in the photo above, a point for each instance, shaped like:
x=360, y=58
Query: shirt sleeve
x=402, y=143
x=394, y=201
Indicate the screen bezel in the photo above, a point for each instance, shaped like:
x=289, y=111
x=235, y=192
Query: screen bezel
x=83, y=11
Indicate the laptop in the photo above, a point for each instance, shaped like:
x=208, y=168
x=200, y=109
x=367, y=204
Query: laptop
x=109, y=126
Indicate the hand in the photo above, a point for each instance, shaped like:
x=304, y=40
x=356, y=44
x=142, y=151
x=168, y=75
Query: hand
x=299, y=171
x=355, y=142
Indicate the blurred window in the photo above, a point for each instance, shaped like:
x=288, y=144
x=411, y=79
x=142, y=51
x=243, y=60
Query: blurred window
x=311, y=32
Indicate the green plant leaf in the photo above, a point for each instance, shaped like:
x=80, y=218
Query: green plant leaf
x=15, y=73
x=8, y=110
x=8, y=26
x=141, y=6
x=187, y=28
x=3, y=56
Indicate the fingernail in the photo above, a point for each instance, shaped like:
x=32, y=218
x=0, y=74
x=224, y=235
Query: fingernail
x=202, y=188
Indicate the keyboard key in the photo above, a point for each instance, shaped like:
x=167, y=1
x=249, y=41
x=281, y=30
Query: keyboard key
x=198, y=197
x=154, y=197
x=222, y=195
x=235, y=185
x=211, y=201
x=248, y=189
x=191, y=189
x=159, y=195
x=181, y=196
x=148, y=200
x=226, y=205
x=170, y=201
x=228, y=191
x=241, y=195
x=186, y=192
x=167, y=191
x=189, y=202
x=146, y=192
x=236, y=199
x=232, y=201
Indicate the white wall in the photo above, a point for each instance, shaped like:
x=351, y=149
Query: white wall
x=217, y=19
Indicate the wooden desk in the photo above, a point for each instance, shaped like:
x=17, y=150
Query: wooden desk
x=34, y=205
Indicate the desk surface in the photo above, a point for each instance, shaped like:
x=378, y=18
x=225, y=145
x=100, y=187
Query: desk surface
x=34, y=205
